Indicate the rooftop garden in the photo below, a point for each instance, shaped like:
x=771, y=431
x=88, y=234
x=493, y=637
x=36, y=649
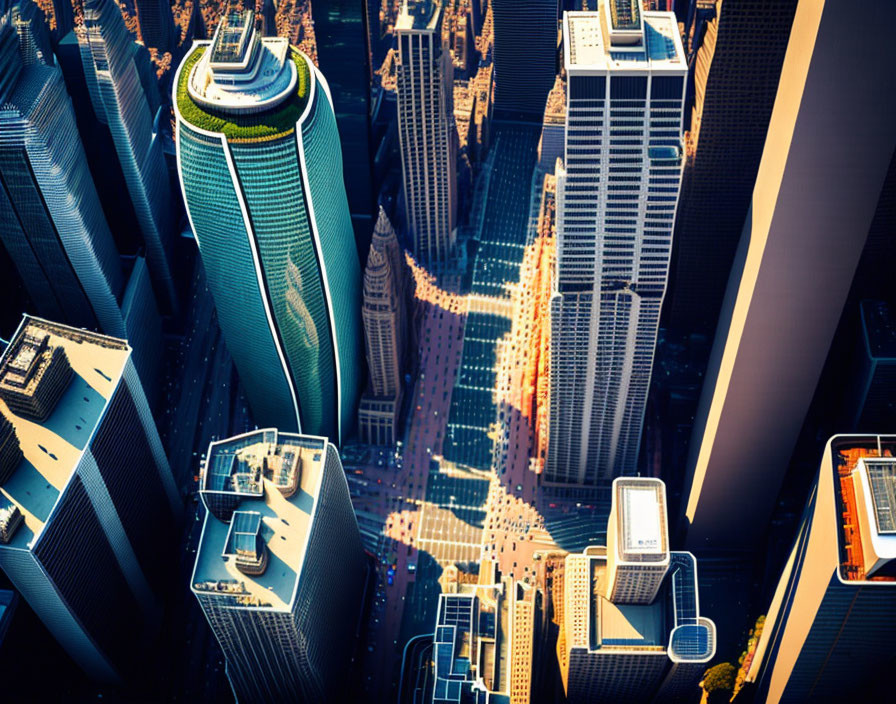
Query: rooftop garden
x=270, y=124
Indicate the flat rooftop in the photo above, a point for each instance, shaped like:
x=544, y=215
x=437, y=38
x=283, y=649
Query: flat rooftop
x=630, y=625
x=53, y=448
x=588, y=46
x=875, y=510
x=642, y=516
x=281, y=522
x=418, y=14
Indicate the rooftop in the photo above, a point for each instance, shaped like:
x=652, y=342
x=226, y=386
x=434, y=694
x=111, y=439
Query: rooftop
x=671, y=624
x=242, y=85
x=650, y=43
x=642, y=530
x=52, y=447
x=418, y=15
x=865, y=491
x=252, y=556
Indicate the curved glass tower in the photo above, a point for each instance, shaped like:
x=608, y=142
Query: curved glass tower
x=261, y=172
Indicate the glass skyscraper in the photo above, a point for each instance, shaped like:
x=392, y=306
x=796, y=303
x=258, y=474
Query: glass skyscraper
x=261, y=173
x=616, y=200
x=87, y=500
x=125, y=103
x=51, y=222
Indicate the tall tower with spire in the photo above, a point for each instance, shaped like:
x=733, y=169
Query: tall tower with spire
x=386, y=324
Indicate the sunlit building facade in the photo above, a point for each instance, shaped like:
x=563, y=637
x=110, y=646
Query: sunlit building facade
x=426, y=130
x=616, y=200
x=260, y=170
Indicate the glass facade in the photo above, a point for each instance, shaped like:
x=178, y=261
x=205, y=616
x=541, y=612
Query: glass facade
x=274, y=230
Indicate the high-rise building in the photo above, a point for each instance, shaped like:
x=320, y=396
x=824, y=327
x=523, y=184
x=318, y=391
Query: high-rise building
x=525, y=54
x=51, y=222
x=637, y=540
x=831, y=627
x=789, y=282
x=118, y=91
x=483, y=644
x=426, y=130
x=614, y=644
x=735, y=75
x=386, y=320
x=279, y=570
x=156, y=23
x=87, y=500
x=258, y=156
x=343, y=56
x=616, y=200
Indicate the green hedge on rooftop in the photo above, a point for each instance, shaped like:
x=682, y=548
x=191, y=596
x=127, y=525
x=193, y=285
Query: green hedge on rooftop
x=263, y=125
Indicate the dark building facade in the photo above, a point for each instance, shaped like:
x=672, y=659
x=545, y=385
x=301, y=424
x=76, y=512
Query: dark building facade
x=343, y=56
x=525, y=52
x=735, y=79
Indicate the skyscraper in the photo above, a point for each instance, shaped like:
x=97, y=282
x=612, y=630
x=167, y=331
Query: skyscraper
x=831, y=626
x=51, y=222
x=87, y=500
x=258, y=156
x=386, y=321
x=815, y=197
x=616, y=199
x=119, y=100
x=426, y=130
x=279, y=569
x=616, y=644
x=156, y=22
x=735, y=75
x=343, y=56
x=637, y=540
x=525, y=53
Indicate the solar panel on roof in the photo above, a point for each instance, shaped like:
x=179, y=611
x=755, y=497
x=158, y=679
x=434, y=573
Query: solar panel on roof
x=882, y=477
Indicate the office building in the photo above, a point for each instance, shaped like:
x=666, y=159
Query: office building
x=831, y=627
x=616, y=646
x=616, y=200
x=789, y=283
x=51, y=222
x=343, y=56
x=735, y=75
x=525, y=55
x=484, y=638
x=87, y=500
x=279, y=570
x=125, y=99
x=386, y=320
x=267, y=205
x=156, y=23
x=426, y=130
x=637, y=540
